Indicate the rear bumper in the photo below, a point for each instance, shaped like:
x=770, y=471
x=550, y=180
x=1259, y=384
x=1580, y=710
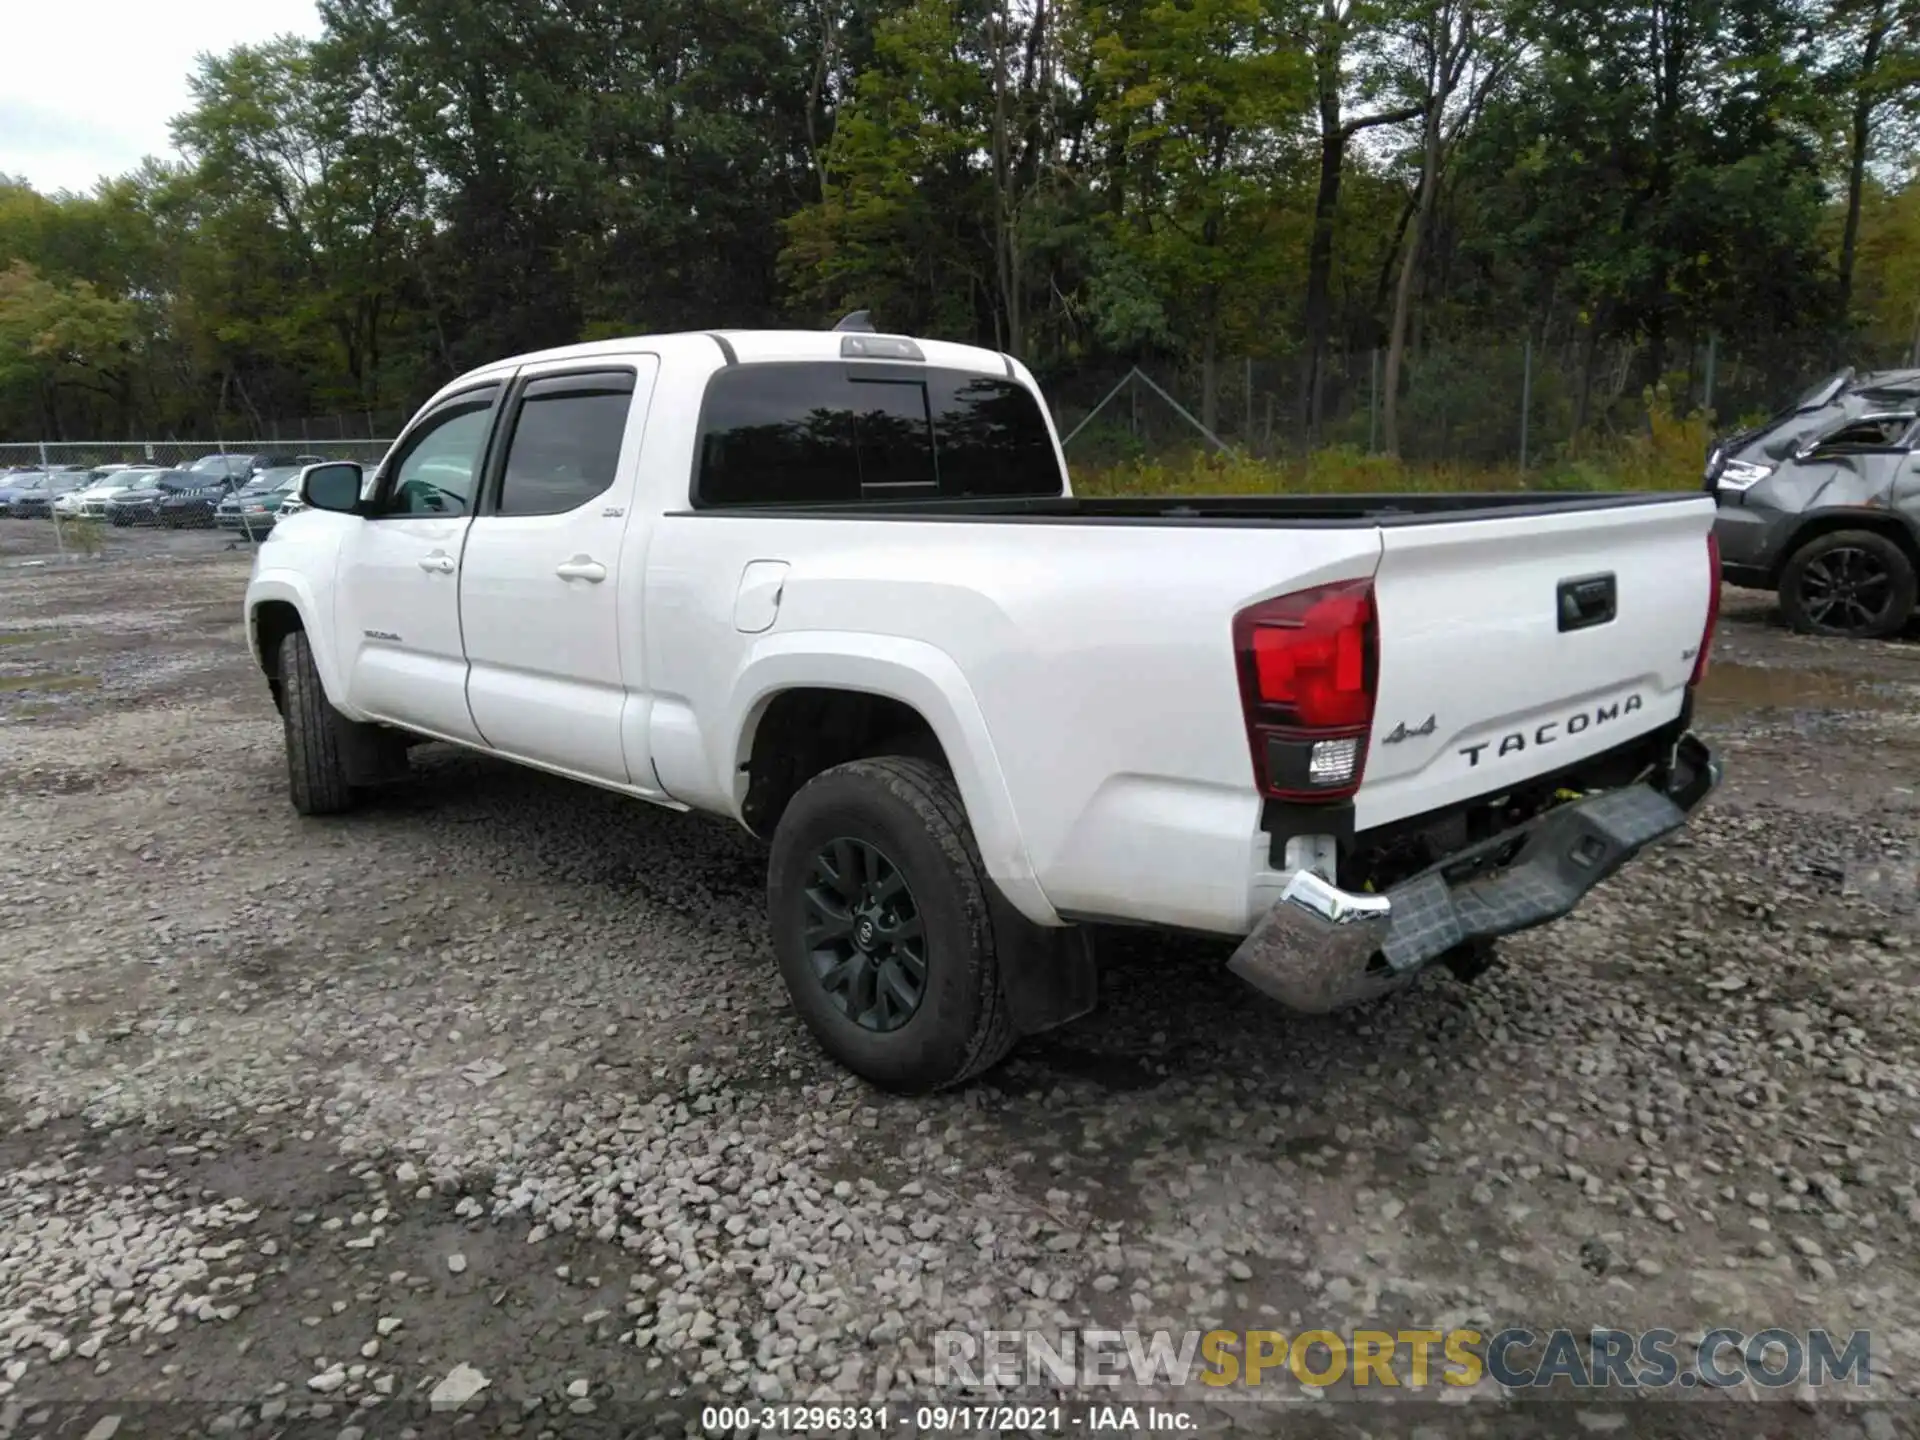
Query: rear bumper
x=1321, y=948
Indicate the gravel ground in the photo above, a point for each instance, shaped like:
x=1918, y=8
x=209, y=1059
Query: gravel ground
x=297, y=1117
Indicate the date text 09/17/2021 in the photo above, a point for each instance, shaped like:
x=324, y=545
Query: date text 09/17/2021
x=961, y=1419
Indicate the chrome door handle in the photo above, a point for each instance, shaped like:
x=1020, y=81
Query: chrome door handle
x=439, y=562
x=581, y=567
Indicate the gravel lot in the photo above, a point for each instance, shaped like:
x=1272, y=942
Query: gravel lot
x=297, y=1116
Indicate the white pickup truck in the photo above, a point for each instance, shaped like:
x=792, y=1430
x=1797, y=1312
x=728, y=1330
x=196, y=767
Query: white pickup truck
x=835, y=586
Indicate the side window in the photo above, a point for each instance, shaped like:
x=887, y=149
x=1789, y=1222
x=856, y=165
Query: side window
x=566, y=442
x=432, y=472
x=1872, y=432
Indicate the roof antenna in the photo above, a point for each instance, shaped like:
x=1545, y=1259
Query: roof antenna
x=858, y=320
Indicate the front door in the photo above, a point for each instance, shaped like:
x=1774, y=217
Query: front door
x=399, y=586
x=541, y=597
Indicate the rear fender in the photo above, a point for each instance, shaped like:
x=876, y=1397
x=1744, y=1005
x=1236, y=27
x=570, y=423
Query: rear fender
x=915, y=674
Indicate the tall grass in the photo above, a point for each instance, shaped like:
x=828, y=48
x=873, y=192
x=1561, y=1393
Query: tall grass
x=1667, y=455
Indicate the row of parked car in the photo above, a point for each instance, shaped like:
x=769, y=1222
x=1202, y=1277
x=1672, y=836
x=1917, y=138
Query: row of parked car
x=238, y=492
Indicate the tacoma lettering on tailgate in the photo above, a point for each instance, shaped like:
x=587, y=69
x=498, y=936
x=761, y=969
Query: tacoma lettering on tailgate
x=1549, y=731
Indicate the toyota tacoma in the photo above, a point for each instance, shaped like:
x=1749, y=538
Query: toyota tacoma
x=837, y=587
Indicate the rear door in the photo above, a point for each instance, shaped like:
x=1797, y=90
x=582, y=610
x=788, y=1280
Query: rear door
x=1511, y=647
x=540, y=585
x=398, y=609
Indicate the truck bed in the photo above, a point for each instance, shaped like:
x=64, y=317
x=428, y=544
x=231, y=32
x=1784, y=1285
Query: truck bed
x=1236, y=510
x=1095, y=636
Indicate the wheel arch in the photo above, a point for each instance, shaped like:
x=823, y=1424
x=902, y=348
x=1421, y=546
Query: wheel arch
x=276, y=607
x=1828, y=521
x=877, y=688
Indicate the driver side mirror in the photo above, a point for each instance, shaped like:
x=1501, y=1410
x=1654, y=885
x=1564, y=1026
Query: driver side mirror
x=333, y=486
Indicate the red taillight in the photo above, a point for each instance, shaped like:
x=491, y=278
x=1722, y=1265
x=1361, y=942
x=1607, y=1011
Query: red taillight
x=1713, y=610
x=1308, y=665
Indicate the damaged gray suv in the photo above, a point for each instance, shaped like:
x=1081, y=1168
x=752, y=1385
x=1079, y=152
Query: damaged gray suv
x=1822, y=505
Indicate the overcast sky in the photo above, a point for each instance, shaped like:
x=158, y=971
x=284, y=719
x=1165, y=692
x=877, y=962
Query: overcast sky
x=89, y=85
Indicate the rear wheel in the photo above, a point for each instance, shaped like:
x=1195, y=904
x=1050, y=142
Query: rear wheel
x=316, y=775
x=878, y=902
x=1854, y=583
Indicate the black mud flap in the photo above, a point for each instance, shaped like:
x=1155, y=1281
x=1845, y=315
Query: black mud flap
x=370, y=754
x=1048, y=972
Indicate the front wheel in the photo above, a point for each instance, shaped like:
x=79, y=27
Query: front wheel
x=1854, y=583
x=316, y=773
x=878, y=902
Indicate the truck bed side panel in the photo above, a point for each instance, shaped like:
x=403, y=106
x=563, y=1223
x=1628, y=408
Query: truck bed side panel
x=1100, y=657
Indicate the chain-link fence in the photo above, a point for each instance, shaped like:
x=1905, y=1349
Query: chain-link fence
x=178, y=454
x=1522, y=406
x=86, y=498
x=1543, y=411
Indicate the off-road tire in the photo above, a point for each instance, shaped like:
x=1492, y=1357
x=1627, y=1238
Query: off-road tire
x=316, y=778
x=1800, y=610
x=911, y=810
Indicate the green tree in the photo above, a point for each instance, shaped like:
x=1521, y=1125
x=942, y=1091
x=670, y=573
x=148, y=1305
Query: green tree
x=906, y=187
x=1889, y=266
x=433, y=184
x=56, y=337
x=315, y=212
x=1877, y=68
x=1345, y=40
x=1655, y=173
x=1456, y=52
x=942, y=197
x=1201, y=99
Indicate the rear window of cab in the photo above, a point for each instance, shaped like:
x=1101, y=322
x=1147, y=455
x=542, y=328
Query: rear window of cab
x=823, y=433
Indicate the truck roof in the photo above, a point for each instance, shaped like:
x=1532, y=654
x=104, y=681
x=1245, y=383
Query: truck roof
x=752, y=347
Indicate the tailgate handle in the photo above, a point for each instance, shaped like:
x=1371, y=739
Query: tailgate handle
x=1588, y=600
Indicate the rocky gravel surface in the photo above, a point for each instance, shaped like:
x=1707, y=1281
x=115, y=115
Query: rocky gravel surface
x=484, y=1108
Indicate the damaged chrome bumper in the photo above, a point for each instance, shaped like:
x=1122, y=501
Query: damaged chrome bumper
x=1321, y=948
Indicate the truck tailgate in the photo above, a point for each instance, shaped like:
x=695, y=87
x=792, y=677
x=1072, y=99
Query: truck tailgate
x=1513, y=646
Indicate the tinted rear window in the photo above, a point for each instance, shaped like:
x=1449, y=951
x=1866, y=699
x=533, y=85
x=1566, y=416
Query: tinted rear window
x=821, y=433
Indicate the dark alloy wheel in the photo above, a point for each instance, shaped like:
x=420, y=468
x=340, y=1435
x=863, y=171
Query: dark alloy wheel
x=878, y=903
x=1846, y=589
x=1851, y=582
x=865, y=936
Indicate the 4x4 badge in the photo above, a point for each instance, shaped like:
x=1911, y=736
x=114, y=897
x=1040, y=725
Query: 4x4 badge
x=1401, y=732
